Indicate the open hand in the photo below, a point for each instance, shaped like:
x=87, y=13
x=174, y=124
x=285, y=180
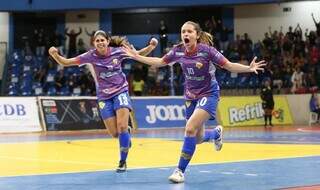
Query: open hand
x=257, y=66
x=130, y=50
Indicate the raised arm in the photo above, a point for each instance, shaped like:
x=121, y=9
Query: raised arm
x=153, y=61
x=60, y=59
x=239, y=68
x=298, y=28
x=87, y=32
x=314, y=20
x=146, y=50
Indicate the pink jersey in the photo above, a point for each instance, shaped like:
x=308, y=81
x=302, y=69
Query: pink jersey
x=106, y=71
x=198, y=68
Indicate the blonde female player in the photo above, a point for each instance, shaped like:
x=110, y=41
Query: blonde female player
x=111, y=84
x=198, y=61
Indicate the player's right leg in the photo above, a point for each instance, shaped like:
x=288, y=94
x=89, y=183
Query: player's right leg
x=109, y=117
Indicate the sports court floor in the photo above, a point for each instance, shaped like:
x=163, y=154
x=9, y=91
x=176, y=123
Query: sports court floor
x=253, y=158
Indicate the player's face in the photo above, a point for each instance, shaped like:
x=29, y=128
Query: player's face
x=101, y=43
x=189, y=35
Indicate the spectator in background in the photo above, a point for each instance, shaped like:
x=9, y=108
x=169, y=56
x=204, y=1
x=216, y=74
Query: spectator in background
x=39, y=76
x=267, y=41
x=297, y=80
x=151, y=78
x=290, y=34
x=163, y=32
x=58, y=41
x=60, y=80
x=91, y=35
x=314, y=105
x=317, y=24
x=39, y=41
x=310, y=80
x=138, y=85
x=278, y=78
x=81, y=46
x=267, y=102
x=247, y=43
x=72, y=50
x=298, y=32
x=314, y=55
x=287, y=45
x=224, y=38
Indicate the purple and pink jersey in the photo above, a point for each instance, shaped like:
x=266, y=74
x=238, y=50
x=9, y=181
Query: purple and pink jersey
x=198, y=68
x=106, y=71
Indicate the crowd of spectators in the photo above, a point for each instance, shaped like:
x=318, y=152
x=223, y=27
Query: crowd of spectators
x=293, y=58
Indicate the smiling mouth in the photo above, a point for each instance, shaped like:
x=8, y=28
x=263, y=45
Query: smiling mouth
x=100, y=46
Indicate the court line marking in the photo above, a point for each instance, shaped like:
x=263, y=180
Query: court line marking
x=168, y=166
x=50, y=160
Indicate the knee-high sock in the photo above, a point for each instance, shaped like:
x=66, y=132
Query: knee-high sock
x=210, y=135
x=189, y=146
x=265, y=119
x=124, y=142
x=270, y=119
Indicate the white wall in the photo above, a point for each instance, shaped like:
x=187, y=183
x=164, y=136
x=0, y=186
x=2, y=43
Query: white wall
x=89, y=21
x=4, y=37
x=255, y=19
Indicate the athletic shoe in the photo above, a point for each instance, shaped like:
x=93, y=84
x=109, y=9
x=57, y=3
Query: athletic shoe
x=218, y=142
x=177, y=176
x=122, y=167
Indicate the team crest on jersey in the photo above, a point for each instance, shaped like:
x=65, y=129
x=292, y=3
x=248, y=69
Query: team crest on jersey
x=188, y=103
x=199, y=65
x=101, y=105
x=115, y=61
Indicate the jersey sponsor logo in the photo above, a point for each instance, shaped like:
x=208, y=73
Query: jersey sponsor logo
x=180, y=53
x=199, y=65
x=195, y=78
x=202, y=54
x=105, y=75
x=115, y=61
x=165, y=113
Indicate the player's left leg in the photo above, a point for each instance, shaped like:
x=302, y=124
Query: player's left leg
x=196, y=121
x=124, y=137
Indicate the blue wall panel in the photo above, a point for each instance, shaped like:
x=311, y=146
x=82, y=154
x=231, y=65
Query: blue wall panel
x=31, y=5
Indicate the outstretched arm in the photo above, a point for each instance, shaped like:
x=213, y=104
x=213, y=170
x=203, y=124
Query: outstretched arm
x=146, y=50
x=153, y=61
x=239, y=68
x=60, y=59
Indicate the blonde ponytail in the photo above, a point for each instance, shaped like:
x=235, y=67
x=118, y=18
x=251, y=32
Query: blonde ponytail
x=205, y=38
x=117, y=41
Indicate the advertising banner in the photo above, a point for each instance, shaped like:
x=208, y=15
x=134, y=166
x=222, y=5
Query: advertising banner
x=70, y=113
x=19, y=114
x=245, y=111
x=153, y=112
